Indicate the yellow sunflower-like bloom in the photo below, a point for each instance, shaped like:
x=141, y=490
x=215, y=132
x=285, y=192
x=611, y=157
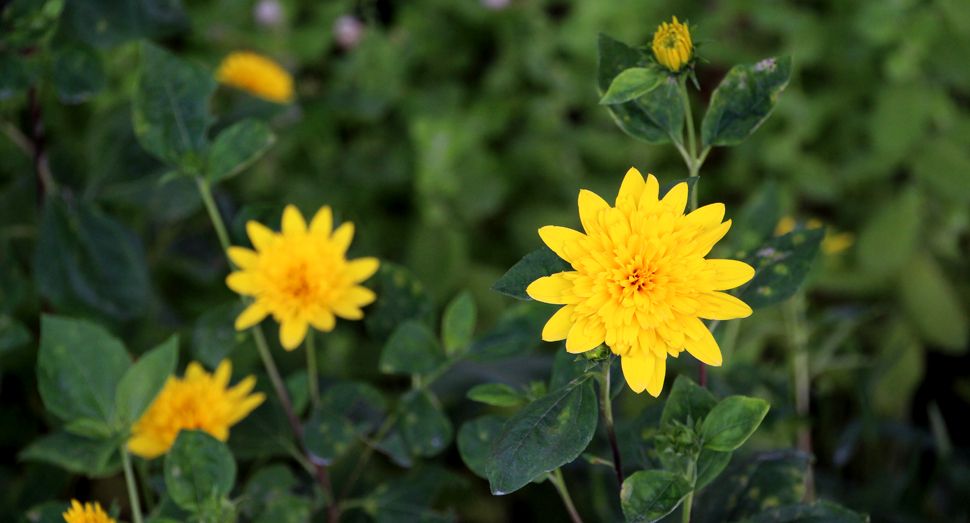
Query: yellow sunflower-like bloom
x=86, y=513
x=672, y=45
x=199, y=401
x=256, y=75
x=301, y=276
x=641, y=283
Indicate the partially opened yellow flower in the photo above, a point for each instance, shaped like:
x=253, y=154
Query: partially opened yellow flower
x=256, y=75
x=301, y=275
x=672, y=45
x=640, y=282
x=86, y=513
x=199, y=401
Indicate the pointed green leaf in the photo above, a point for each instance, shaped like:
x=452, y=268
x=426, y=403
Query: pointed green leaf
x=458, y=322
x=633, y=83
x=78, y=74
x=745, y=98
x=710, y=464
x=649, y=495
x=732, y=421
x=215, y=338
x=535, y=265
x=170, y=107
x=89, y=428
x=198, y=468
x=237, y=148
x=516, y=333
x=411, y=349
x=781, y=265
x=565, y=369
x=144, y=380
x=632, y=117
x=94, y=458
x=424, y=425
x=758, y=219
x=753, y=485
x=409, y=498
x=496, y=395
x=400, y=297
x=361, y=403
x=687, y=399
x=327, y=435
x=79, y=366
x=106, y=23
x=475, y=440
x=544, y=435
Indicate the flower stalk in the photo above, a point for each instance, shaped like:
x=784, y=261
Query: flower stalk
x=555, y=477
x=606, y=406
x=311, y=368
x=132, y=489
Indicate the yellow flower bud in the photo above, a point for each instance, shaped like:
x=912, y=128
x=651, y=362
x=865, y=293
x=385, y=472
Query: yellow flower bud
x=672, y=45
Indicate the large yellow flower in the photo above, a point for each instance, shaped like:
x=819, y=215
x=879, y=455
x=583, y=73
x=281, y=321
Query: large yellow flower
x=301, y=276
x=672, y=45
x=641, y=282
x=86, y=513
x=199, y=401
x=256, y=75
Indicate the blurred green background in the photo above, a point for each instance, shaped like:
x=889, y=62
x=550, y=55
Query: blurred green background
x=449, y=131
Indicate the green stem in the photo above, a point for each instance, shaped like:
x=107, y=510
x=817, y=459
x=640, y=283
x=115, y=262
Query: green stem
x=555, y=477
x=210, y=206
x=801, y=368
x=689, y=500
x=606, y=405
x=141, y=467
x=311, y=367
x=693, y=164
x=132, y=489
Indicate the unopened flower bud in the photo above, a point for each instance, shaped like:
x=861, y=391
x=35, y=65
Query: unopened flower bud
x=672, y=45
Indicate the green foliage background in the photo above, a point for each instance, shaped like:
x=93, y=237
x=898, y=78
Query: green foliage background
x=448, y=134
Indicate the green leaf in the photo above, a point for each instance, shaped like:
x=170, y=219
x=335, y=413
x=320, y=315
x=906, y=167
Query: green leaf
x=750, y=487
x=144, y=380
x=170, y=107
x=47, y=512
x=327, y=435
x=458, y=323
x=394, y=447
x=820, y=512
x=359, y=402
x=781, y=265
x=732, y=421
x=425, y=427
x=496, y=395
x=106, y=23
x=944, y=165
x=409, y=499
x=237, y=148
x=710, y=464
x=264, y=486
x=758, y=219
x=891, y=235
x=544, y=435
x=516, y=333
x=84, y=259
x=89, y=428
x=632, y=84
x=649, y=495
x=535, y=265
x=687, y=400
x=475, y=440
x=79, y=366
x=28, y=23
x=632, y=117
x=400, y=297
x=565, y=369
x=13, y=334
x=78, y=74
x=198, y=467
x=411, y=349
x=94, y=458
x=691, y=183
x=931, y=300
x=745, y=98
x=266, y=431
x=214, y=337
x=15, y=75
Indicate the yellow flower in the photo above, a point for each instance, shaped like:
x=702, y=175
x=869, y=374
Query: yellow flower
x=257, y=75
x=672, y=45
x=199, y=401
x=641, y=282
x=86, y=513
x=832, y=243
x=301, y=276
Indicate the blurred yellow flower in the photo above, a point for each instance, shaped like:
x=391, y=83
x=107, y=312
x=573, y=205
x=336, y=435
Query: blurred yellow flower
x=86, y=513
x=672, y=45
x=641, y=283
x=832, y=243
x=257, y=75
x=199, y=401
x=301, y=276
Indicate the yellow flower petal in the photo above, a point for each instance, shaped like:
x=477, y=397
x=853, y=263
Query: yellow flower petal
x=708, y=216
x=243, y=283
x=651, y=192
x=659, y=373
x=362, y=268
x=720, y=306
x=292, y=333
x=632, y=186
x=676, y=198
x=549, y=289
x=706, y=241
x=322, y=222
x=638, y=370
x=557, y=328
x=347, y=311
x=261, y=236
x=251, y=316
x=223, y=374
x=730, y=273
x=556, y=237
x=704, y=347
x=242, y=257
x=580, y=339
x=342, y=237
x=359, y=296
x=590, y=207
x=323, y=321
x=293, y=222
